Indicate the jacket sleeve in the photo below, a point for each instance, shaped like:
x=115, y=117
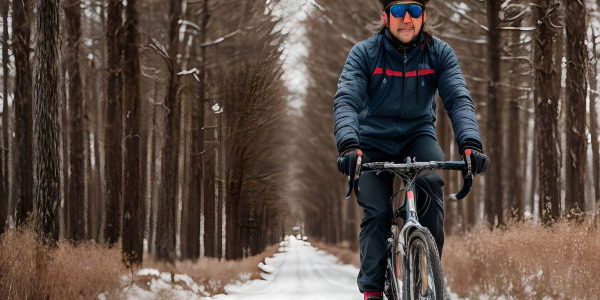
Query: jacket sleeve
x=457, y=100
x=350, y=99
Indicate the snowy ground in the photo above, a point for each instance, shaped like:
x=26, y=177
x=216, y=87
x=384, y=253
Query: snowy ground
x=298, y=271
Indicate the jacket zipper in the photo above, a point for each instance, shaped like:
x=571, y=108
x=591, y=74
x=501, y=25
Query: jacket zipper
x=403, y=83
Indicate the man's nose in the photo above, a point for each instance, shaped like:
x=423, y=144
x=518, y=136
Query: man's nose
x=407, y=18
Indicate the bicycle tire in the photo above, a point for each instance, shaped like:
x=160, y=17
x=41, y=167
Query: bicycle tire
x=392, y=290
x=422, y=251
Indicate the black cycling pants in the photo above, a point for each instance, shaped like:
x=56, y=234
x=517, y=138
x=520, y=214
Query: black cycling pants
x=374, y=196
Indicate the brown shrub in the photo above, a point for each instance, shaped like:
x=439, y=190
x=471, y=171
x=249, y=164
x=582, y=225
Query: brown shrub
x=525, y=261
x=522, y=261
x=213, y=273
x=85, y=270
x=29, y=269
x=18, y=277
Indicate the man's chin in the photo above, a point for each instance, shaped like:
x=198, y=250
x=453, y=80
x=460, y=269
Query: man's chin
x=403, y=38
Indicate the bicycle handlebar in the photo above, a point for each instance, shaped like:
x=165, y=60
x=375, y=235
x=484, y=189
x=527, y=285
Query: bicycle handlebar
x=423, y=166
x=415, y=166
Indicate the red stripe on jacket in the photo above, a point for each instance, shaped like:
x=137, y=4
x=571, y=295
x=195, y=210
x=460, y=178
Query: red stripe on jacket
x=379, y=71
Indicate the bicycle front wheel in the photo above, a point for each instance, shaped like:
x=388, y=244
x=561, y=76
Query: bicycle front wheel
x=425, y=277
x=393, y=272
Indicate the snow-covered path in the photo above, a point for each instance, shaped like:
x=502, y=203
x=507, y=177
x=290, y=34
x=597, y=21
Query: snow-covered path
x=300, y=271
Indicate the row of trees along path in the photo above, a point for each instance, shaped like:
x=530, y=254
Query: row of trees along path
x=156, y=120
x=166, y=121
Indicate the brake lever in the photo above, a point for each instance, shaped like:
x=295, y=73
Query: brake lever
x=353, y=180
x=468, y=179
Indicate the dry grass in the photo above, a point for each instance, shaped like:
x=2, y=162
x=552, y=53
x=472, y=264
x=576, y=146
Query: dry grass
x=526, y=261
x=213, y=273
x=29, y=269
x=523, y=261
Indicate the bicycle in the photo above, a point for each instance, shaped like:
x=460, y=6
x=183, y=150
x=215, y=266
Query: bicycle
x=413, y=245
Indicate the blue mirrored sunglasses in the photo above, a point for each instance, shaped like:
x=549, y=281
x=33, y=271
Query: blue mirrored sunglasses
x=399, y=10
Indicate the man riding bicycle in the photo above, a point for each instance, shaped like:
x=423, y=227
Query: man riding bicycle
x=384, y=110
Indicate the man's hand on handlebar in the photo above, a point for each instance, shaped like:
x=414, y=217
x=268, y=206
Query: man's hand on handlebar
x=349, y=162
x=479, y=161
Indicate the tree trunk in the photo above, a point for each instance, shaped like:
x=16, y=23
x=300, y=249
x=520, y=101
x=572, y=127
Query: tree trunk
x=197, y=192
x=234, y=190
x=546, y=97
x=576, y=53
x=515, y=131
x=133, y=208
x=190, y=219
x=494, y=178
x=75, y=122
x=165, y=240
x=101, y=107
x=46, y=126
x=3, y=151
x=113, y=126
x=22, y=150
x=593, y=72
x=210, y=201
x=209, y=184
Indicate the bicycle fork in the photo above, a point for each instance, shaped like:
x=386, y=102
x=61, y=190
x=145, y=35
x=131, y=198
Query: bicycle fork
x=411, y=220
x=411, y=223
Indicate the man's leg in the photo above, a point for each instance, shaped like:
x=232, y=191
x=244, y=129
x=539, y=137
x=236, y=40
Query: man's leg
x=374, y=197
x=429, y=190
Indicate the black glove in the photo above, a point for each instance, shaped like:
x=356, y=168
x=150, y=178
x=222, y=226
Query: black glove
x=348, y=160
x=479, y=161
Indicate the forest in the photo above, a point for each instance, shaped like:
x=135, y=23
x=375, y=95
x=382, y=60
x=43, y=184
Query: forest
x=190, y=129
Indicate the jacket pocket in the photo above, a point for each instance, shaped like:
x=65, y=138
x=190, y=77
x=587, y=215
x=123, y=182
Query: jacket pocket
x=432, y=114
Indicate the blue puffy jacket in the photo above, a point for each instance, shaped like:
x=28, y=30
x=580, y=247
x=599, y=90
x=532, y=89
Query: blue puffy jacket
x=382, y=101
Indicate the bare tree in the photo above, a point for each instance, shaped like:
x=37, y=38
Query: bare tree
x=493, y=204
x=46, y=126
x=165, y=240
x=193, y=218
x=592, y=75
x=22, y=150
x=133, y=208
x=546, y=97
x=75, y=130
x=190, y=219
x=113, y=126
x=4, y=147
x=513, y=47
x=576, y=54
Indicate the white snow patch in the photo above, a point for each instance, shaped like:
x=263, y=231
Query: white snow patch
x=265, y=268
x=135, y=292
x=148, y=272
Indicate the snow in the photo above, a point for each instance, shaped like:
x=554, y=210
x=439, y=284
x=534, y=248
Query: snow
x=300, y=271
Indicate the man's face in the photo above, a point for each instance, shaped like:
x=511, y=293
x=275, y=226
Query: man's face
x=405, y=28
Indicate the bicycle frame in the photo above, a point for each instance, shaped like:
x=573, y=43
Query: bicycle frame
x=409, y=171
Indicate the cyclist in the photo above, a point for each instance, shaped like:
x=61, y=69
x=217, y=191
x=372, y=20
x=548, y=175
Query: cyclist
x=384, y=110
